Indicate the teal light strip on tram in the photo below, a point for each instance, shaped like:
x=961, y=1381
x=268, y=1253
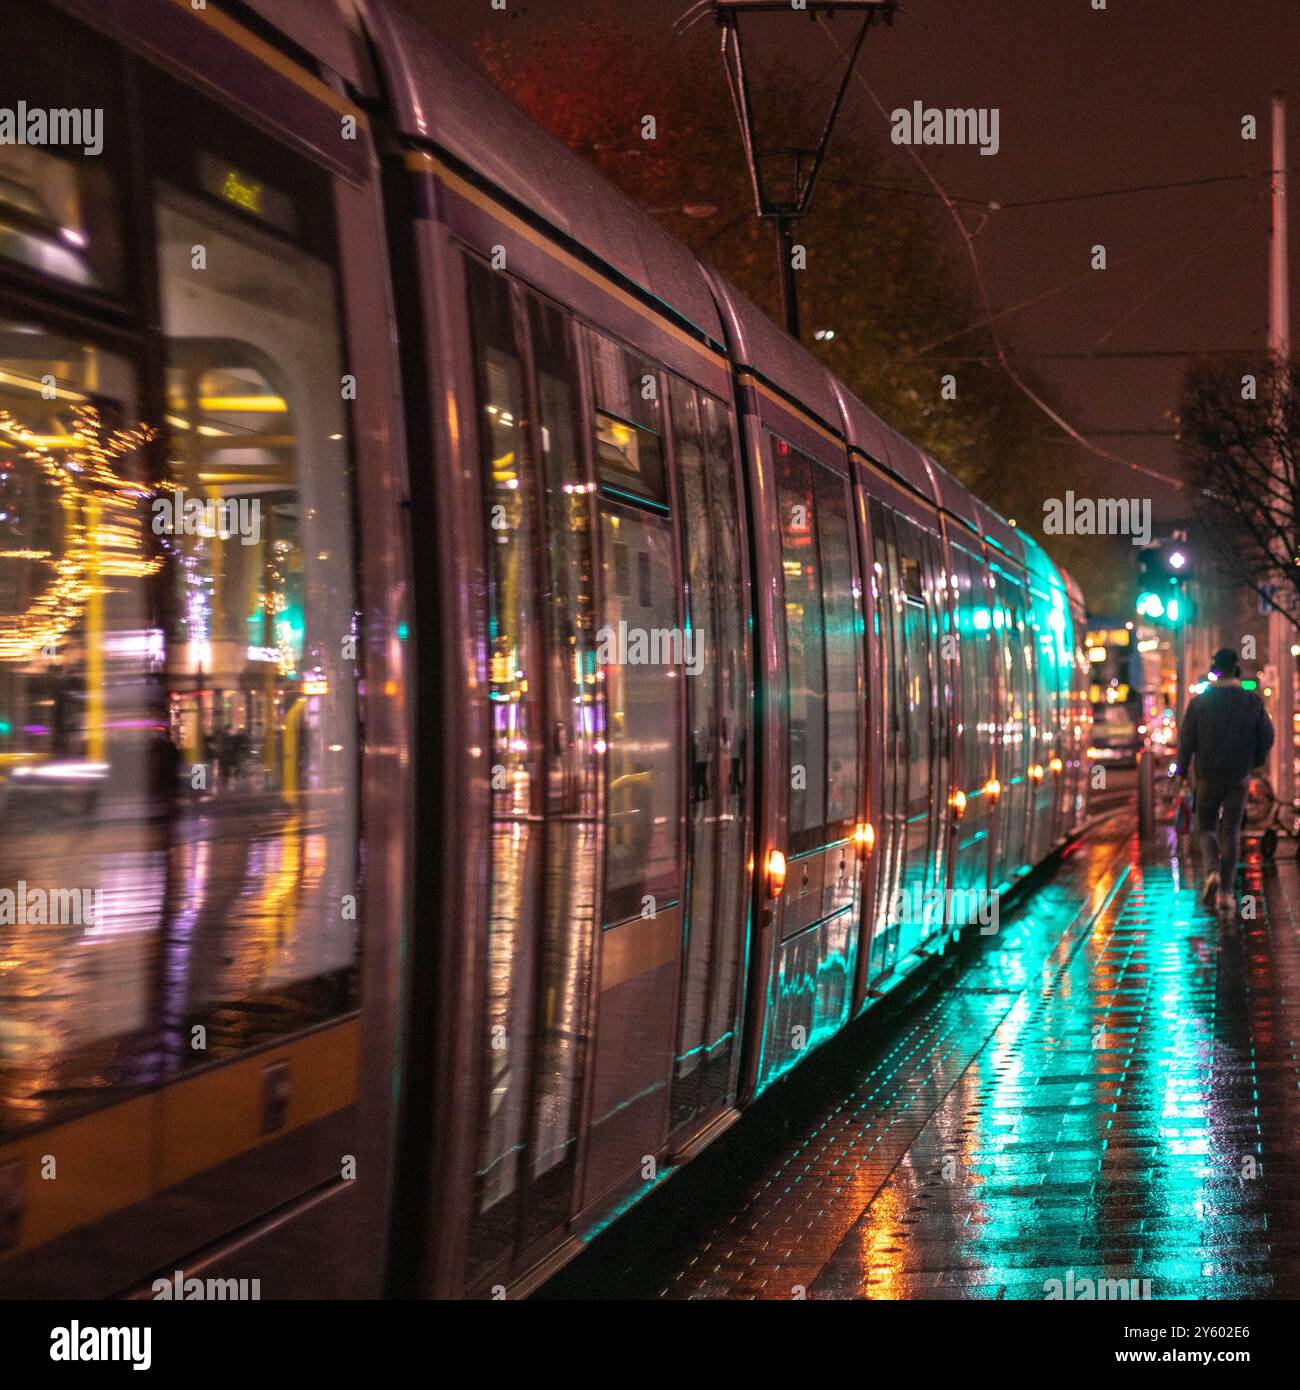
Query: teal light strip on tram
x=635, y=498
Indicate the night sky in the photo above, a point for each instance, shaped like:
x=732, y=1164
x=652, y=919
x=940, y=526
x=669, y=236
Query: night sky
x=1144, y=92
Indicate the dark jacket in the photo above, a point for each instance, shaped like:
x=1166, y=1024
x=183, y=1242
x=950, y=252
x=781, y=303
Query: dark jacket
x=1226, y=731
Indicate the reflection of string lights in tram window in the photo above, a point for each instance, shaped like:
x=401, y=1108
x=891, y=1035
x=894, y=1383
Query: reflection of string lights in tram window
x=101, y=526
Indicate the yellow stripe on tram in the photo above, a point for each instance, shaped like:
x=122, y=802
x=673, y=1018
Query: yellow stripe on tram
x=81, y=1171
x=273, y=58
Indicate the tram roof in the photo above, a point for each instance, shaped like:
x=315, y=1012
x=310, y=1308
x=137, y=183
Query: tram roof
x=440, y=101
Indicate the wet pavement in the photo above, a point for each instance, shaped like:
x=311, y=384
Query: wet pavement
x=221, y=916
x=1105, y=1090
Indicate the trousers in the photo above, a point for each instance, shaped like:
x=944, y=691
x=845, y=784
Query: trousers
x=1221, y=797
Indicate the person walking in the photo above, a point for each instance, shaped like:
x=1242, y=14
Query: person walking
x=1226, y=734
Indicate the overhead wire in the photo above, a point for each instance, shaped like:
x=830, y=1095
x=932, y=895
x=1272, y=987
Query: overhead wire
x=1052, y=414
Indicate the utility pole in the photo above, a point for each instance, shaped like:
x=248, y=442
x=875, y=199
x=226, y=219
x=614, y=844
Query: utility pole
x=1180, y=628
x=1280, y=631
x=789, y=286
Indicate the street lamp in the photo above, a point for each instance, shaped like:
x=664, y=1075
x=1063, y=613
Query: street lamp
x=782, y=201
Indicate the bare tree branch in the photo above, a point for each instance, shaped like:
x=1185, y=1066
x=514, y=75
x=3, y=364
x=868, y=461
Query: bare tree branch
x=1240, y=440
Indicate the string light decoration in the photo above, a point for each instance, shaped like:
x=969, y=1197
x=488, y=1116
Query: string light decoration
x=81, y=466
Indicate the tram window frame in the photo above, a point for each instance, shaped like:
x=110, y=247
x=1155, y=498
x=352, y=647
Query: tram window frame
x=144, y=159
x=819, y=830
x=643, y=482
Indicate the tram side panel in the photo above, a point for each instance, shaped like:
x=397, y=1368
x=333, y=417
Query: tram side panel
x=611, y=683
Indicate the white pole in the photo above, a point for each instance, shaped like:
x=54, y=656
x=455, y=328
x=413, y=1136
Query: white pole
x=1281, y=632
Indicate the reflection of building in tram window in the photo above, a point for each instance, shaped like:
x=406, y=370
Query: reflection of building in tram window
x=261, y=632
x=629, y=426
x=259, y=620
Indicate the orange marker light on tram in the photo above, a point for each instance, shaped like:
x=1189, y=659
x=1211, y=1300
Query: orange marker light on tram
x=1036, y=772
x=865, y=835
x=1056, y=764
x=775, y=873
x=958, y=803
x=993, y=788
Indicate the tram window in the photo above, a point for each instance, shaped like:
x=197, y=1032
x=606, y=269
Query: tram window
x=59, y=148
x=82, y=833
x=823, y=642
x=643, y=657
x=262, y=626
x=972, y=628
x=629, y=430
x=1016, y=735
x=702, y=720
x=718, y=703
x=916, y=647
x=843, y=643
x=515, y=684
x=805, y=633
x=572, y=793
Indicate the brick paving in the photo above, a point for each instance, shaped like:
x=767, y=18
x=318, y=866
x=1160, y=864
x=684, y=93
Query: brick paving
x=1106, y=1089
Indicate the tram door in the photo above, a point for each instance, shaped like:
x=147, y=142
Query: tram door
x=915, y=755
x=891, y=814
x=544, y=731
x=644, y=658
x=976, y=741
x=939, y=600
x=1014, y=753
x=718, y=714
x=919, y=857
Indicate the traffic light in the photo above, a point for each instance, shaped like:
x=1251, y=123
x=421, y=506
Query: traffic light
x=1162, y=572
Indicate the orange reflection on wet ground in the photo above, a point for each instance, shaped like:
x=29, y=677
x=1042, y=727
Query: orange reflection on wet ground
x=1100, y=1101
x=254, y=946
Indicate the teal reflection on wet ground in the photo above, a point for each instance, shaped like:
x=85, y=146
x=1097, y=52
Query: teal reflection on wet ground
x=1098, y=1101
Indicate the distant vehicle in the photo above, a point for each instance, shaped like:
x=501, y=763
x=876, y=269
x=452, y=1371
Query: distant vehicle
x=1115, y=692
x=1116, y=735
